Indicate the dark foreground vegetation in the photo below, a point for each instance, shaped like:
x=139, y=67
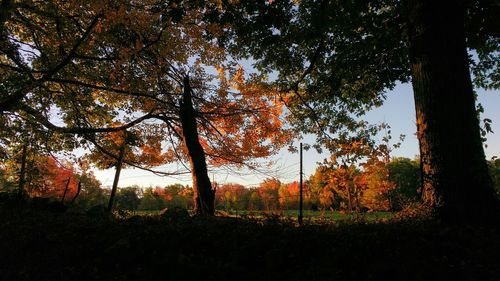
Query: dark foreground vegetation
x=38, y=243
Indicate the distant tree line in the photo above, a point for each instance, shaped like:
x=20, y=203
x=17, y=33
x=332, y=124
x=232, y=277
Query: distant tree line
x=376, y=186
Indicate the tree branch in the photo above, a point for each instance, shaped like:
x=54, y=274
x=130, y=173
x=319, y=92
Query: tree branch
x=109, y=154
x=107, y=89
x=295, y=89
x=10, y=101
x=173, y=146
x=79, y=130
x=73, y=50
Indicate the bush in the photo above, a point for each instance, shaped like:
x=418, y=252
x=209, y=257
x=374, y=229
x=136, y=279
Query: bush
x=414, y=210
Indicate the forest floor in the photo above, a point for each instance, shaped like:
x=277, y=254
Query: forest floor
x=42, y=245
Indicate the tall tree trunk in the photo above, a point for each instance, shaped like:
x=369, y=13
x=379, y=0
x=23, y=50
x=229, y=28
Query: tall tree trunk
x=65, y=190
x=22, y=171
x=356, y=198
x=456, y=183
x=349, y=199
x=204, y=195
x=77, y=192
x=119, y=164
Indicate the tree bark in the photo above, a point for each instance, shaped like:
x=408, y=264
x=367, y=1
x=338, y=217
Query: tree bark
x=349, y=199
x=456, y=183
x=65, y=190
x=204, y=195
x=22, y=171
x=77, y=192
x=119, y=165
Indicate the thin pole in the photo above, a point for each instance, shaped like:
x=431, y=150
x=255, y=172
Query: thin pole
x=301, y=188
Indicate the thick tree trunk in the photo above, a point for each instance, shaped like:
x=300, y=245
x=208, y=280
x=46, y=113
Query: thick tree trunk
x=456, y=183
x=204, y=195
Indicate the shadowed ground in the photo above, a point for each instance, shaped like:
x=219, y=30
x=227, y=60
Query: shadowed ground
x=40, y=245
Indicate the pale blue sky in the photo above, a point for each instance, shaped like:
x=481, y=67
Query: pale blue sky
x=398, y=111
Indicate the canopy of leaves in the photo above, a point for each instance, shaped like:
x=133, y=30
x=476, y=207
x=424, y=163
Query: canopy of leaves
x=336, y=59
x=120, y=65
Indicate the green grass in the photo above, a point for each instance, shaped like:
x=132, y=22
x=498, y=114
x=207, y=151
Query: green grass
x=145, y=212
x=292, y=214
x=318, y=215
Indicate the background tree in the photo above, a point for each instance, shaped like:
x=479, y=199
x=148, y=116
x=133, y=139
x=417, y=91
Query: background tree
x=151, y=200
x=376, y=186
x=405, y=174
x=231, y=196
x=178, y=195
x=44, y=176
x=317, y=183
x=255, y=200
x=494, y=167
x=289, y=196
x=92, y=193
x=127, y=198
x=268, y=192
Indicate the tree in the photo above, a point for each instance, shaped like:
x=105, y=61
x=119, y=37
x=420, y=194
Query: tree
x=127, y=198
x=231, y=196
x=268, y=192
x=255, y=200
x=494, y=167
x=285, y=196
x=376, y=186
x=119, y=64
x=178, y=195
x=151, y=200
x=336, y=59
x=91, y=193
x=50, y=177
x=405, y=174
x=317, y=183
x=460, y=189
x=43, y=176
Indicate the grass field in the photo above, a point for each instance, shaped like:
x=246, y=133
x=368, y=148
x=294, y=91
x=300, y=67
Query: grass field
x=292, y=214
x=314, y=215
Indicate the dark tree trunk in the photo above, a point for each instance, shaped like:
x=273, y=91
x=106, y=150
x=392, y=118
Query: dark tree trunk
x=204, y=195
x=22, y=171
x=77, y=192
x=456, y=183
x=356, y=198
x=119, y=165
x=349, y=199
x=65, y=190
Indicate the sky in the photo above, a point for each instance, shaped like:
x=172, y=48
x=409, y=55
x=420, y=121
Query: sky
x=398, y=111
